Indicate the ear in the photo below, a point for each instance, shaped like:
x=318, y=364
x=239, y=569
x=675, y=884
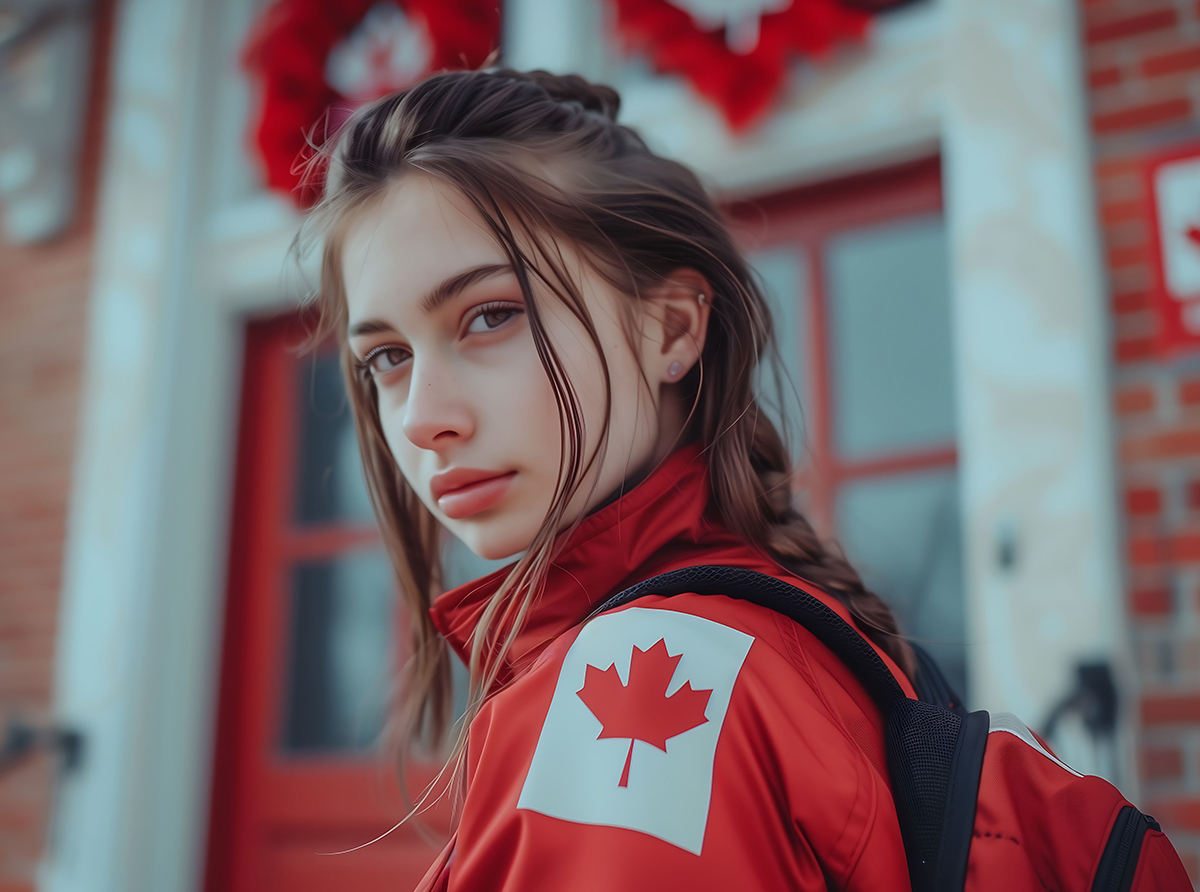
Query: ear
x=676, y=322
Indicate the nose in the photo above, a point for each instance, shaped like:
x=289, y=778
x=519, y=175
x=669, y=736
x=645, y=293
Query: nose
x=437, y=413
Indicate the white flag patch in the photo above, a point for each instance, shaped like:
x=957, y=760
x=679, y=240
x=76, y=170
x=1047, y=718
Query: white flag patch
x=630, y=742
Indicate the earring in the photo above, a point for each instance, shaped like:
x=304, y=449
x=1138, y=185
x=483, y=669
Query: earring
x=700, y=297
x=675, y=369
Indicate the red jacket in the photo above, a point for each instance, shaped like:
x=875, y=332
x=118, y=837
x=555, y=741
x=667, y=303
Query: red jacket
x=690, y=742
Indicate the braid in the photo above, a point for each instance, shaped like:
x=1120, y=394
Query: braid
x=791, y=539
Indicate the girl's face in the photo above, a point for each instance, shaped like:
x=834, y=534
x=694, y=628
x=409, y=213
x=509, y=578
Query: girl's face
x=437, y=318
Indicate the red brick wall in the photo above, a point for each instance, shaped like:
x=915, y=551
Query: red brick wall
x=43, y=320
x=1143, y=60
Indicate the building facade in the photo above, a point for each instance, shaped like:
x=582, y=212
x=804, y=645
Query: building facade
x=956, y=225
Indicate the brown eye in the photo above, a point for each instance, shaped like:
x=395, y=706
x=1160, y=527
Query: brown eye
x=385, y=359
x=490, y=318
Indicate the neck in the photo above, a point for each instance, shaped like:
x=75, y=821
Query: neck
x=670, y=437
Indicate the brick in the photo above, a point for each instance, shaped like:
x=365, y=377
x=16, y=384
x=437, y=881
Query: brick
x=1134, y=349
x=1131, y=302
x=1141, y=91
x=1129, y=26
x=1150, y=602
x=1143, y=500
x=43, y=314
x=1178, y=813
x=1134, y=400
x=1162, y=709
x=1181, y=442
x=1128, y=255
x=1185, y=547
x=1104, y=77
x=1143, y=116
x=1118, y=166
x=1147, y=551
x=1162, y=763
x=1175, y=62
x=1155, y=550
x=1191, y=863
x=1123, y=211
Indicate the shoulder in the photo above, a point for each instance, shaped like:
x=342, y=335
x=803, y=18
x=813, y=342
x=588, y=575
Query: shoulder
x=658, y=646
x=705, y=624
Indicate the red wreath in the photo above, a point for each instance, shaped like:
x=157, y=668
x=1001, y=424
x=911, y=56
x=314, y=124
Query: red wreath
x=742, y=85
x=290, y=49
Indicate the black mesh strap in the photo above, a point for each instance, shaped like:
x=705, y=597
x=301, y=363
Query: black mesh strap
x=749, y=585
x=962, y=793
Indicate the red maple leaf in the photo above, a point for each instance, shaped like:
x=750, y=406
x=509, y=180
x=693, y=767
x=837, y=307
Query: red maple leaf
x=641, y=710
x=1193, y=234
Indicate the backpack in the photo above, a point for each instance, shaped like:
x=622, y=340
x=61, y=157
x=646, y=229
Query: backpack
x=983, y=805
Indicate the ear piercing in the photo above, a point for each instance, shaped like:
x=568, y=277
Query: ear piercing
x=676, y=368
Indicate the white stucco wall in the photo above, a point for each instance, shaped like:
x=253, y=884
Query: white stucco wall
x=145, y=551
x=1030, y=326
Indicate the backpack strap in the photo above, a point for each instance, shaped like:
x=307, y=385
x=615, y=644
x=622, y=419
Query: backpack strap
x=749, y=585
x=935, y=758
x=934, y=747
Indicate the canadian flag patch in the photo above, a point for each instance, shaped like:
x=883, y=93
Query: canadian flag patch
x=632, y=730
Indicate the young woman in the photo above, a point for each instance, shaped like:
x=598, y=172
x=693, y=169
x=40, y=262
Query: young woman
x=551, y=341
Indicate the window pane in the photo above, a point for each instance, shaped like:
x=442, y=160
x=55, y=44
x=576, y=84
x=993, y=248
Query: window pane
x=902, y=534
x=889, y=312
x=330, y=484
x=784, y=275
x=342, y=652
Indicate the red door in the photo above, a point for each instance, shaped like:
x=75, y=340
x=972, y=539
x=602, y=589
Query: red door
x=312, y=642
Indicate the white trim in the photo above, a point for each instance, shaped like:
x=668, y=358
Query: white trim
x=1036, y=460
x=1008, y=723
x=145, y=561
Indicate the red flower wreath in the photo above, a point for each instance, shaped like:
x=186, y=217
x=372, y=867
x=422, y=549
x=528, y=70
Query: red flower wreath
x=737, y=62
x=318, y=59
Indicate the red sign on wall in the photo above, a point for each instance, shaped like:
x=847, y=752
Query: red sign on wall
x=1175, y=211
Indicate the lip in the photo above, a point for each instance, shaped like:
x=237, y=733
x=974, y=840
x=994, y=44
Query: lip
x=461, y=492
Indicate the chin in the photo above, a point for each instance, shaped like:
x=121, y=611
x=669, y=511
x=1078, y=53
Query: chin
x=493, y=541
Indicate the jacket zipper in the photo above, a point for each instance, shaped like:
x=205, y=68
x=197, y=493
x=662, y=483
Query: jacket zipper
x=1118, y=863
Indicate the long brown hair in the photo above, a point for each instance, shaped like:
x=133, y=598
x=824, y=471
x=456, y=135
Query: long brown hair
x=544, y=163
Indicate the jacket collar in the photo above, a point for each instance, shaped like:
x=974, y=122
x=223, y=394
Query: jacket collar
x=661, y=522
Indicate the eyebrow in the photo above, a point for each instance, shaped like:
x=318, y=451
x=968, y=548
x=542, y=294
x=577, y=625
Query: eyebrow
x=439, y=294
